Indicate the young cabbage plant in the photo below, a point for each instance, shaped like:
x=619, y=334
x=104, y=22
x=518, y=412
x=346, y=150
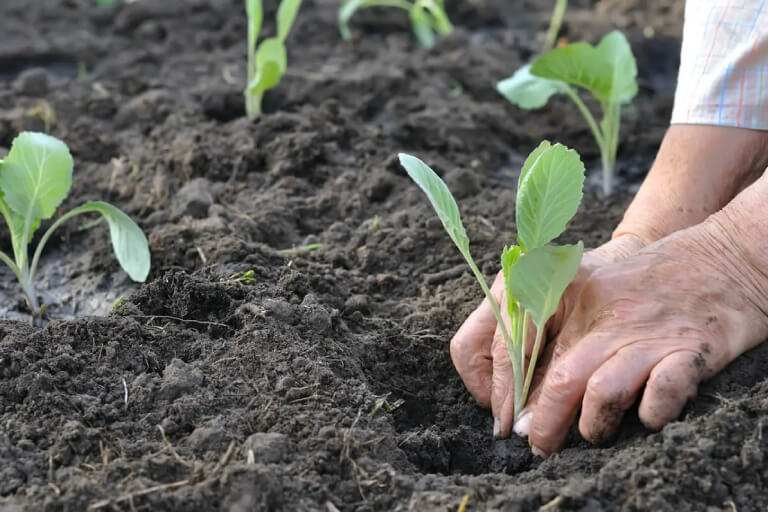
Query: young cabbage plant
x=268, y=59
x=535, y=273
x=35, y=177
x=608, y=71
x=428, y=17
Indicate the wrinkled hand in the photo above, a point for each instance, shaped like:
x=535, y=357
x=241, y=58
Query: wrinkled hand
x=478, y=350
x=662, y=320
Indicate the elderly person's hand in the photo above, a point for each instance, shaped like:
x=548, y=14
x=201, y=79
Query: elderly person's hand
x=699, y=169
x=656, y=324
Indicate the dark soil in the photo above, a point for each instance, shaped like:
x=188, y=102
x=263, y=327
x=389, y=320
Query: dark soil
x=326, y=382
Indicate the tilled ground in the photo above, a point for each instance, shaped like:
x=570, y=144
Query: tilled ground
x=326, y=381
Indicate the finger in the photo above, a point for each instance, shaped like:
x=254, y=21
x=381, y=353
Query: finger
x=672, y=382
x=562, y=390
x=612, y=389
x=471, y=348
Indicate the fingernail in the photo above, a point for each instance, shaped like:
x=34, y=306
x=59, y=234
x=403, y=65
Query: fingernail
x=496, y=428
x=523, y=424
x=538, y=452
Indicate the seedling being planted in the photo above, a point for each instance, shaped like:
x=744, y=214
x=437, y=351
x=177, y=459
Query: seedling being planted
x=428, y=17
x=608, y=71
x=267, y=60
x=35, y=177
x=535, y=273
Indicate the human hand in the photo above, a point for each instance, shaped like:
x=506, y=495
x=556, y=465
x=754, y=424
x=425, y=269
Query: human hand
x=478, y=350
x=666, y=318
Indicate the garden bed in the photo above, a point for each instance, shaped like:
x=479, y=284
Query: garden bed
x=325, y=383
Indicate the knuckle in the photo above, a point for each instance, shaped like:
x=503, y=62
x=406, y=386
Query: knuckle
x=560, y=381
x=600, y=390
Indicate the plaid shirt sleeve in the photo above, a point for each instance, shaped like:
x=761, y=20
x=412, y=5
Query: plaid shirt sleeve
x=724, y=64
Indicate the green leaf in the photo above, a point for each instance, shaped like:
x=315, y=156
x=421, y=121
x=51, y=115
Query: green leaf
x=539, y=278
x=255, y=15
x=616, y=50
x=440, y=197
x=548, y=196
x=36, y=177
x=271, y=61
x=531, y=160
x=578, y=64
x=529, y=91
x=422, y=27
x=128, y=240
x=286, y=15
x=346, y=12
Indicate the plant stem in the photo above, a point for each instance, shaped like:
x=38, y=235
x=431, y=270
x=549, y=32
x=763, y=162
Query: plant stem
x=608, y=165
x=516, y=367
x=252, y=104
x=558, y=13
x=520, y=391
x=594, y=128
x=532, y=363
x=611, y=124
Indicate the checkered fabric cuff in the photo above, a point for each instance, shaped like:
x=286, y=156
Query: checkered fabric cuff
x=724, y=64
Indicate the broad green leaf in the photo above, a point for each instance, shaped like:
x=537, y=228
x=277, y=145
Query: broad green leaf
x=271, y=61
x=255, y=15
x=128, y=240
x=37, y=175
x=540, y=277
x=286, y=14
x=422, y=26
x=616, y=50
x=441, y=198
x=529, y=91
x=532, y=158
x=346, y=12
x=548, y=196
x=578, y=64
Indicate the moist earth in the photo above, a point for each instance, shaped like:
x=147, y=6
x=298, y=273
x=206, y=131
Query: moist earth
x=252, y=373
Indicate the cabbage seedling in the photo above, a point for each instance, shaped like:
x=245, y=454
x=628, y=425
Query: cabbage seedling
x=428, y=17
x=608, y=71
x=268, y=59
x=35, y=177
x=535, y=274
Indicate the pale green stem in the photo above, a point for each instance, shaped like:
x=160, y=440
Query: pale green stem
x=532, y=363
x=520, y=393
x=612, y=124
x=11, y=265
x=253, y=104
x=558, y=13
x=517, y=370
x=599, y=137
x=39, y=250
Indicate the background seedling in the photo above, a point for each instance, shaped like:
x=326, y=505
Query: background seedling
x=535, y=274
x=608, y=71
x=268, y=59
x=428, y=17
x=35, y=177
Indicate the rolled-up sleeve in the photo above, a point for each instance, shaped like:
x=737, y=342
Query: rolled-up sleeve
x=724, y=64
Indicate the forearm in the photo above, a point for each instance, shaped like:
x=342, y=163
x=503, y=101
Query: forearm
x=740, y=230
x=697, y=171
